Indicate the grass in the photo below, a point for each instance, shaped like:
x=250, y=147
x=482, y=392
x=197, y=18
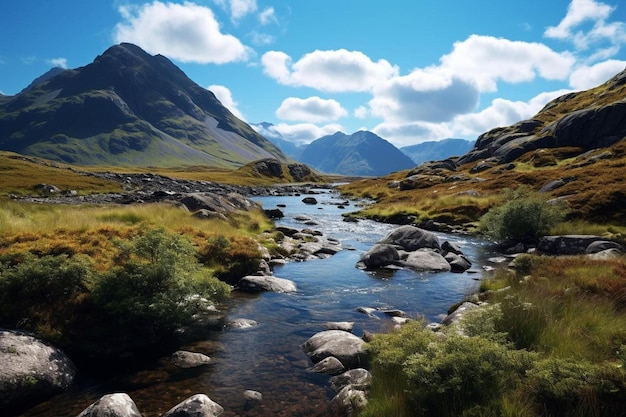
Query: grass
x=562, y=325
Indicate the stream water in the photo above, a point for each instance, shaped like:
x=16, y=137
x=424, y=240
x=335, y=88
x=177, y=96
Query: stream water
x=267, y=358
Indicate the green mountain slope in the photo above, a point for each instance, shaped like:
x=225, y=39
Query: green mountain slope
x=128, y=108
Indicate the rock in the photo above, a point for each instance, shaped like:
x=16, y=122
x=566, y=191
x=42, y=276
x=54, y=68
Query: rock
x=411, y=238
x=458, y=263
x=426, y=260
x=31, y=370
x=566, y=244
x=309, y=200
x=606, y=254
x=46, y=189
x=329, y=365
x=349, y=402
x=209, y=215
x=112, y=405
x=266, y=283
x=274, y=213
x=346, y=347
x=358, y=377
x=458, y=314
x=346, y=326
x=379, y=255
x=185, y=359
x=198, y=405
x=602, y=245
x=251, y=395
x=287, y=231
x=242, y=323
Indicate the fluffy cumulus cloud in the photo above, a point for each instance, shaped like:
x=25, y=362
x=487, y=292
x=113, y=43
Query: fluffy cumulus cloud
x=330, y=71
x=224, y=95
x=185, y=32
x=428, y=96
x=311, y=109
x=238, y=8
x=303, y=133
x=586, y=77
x=586, y=25
x=486, y=60
x=404, y=134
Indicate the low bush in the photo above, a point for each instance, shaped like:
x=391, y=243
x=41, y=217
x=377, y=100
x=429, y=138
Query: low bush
x=524, y=217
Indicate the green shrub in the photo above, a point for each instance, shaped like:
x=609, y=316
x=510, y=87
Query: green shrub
x=158, y=286
x=38, y=293
x=525, y=216
x=443, y=374
x=577, y=388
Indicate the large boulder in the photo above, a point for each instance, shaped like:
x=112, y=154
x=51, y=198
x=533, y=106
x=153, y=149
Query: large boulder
x=349, y=402
x=261, y=283
x=112, y=405
x=346, y=347
x=198, y=405
x=31, y=370
x=411, y=238
x=380, y=255
x=359, y=377
x=426, y=260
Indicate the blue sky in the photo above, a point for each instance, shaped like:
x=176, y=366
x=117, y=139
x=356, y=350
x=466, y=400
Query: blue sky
x=410, y=71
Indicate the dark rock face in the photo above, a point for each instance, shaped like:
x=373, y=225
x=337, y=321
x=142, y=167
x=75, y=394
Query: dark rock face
x=31, y=370
x=601, y=122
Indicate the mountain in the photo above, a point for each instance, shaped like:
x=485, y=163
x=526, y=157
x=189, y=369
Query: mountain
x=363, y=153
x=590, y=119
x=437, y=150
x=128, y=108
x=287, y=147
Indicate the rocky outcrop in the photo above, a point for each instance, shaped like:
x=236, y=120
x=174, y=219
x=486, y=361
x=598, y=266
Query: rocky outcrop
x=112, y=405
x=31, y=370
x=198, y=405
x=415, y=248
x=601, y=122
x=575, y=245
x=346, y=347
x=262, y=283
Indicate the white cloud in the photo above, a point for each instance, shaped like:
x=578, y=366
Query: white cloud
x=331, y=71
x=586, y=77
x=57, y=62
x=501, y=112
x=578, y=12
x=585, y=24
x=305, y=132
x=184, y=32
x=237, y=8
x=311, y=109
x=423, y=95
x=267, y=16
x=405, y=134
x=224, y=95
x=361, y=112
x=262, y=38
x=485, y=60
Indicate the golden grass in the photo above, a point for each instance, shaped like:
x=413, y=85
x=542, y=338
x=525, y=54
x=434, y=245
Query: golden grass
x=19, y=175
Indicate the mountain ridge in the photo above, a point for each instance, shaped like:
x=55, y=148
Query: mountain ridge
x=362, y=153
x=128, y=108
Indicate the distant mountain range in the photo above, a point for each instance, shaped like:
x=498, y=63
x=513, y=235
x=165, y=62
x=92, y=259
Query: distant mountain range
x=437, y=150
x=127, y=108
x=362, y=153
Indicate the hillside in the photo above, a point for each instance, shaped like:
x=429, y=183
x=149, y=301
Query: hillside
x=437, y=150
x=127, y=108
x=574, y=149
x=362, y=153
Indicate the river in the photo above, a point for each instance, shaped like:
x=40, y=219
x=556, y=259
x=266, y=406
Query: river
x=267, y=358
